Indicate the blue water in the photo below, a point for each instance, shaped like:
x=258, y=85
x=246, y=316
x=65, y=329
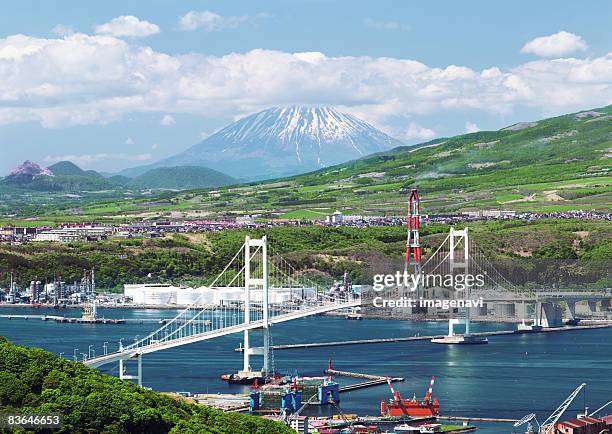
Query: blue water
x=511, y=376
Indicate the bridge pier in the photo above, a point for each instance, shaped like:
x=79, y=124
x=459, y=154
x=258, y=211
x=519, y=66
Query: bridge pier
x=123, y=375
x=552, y=315
x=571, y=307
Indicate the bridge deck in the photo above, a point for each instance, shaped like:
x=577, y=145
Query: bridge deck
x=130, y=352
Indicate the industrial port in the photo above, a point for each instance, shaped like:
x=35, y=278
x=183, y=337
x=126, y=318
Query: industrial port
x=258, y=294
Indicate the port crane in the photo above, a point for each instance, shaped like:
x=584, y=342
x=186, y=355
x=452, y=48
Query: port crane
x=398, y=398
x=396, y=395
x=586, y=412
x=527, y=420
x=548, y=427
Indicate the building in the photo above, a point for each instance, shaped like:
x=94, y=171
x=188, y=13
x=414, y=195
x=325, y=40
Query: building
x=496, y=214
x=246, y=220
x=583, y=425
x=74, y=233
x=58, y=235
x=335, y=219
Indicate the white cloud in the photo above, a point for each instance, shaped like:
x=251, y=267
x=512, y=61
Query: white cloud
x=154, y=146
x=88, y=160
x=128, y=25
x=417, y=132
x=129, y=141
x=81, y=79
x=209, y=21
x=471, y=127
x=167, y=120
x=555, y=45
x=385, y=25
x=62, y=30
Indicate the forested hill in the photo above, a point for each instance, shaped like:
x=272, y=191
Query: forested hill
x=33, y=381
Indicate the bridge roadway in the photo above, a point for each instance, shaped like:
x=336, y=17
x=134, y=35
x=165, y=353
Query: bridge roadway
x=130, y=352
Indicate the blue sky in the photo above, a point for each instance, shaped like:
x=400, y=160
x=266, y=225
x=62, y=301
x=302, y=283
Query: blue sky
x=117, y=84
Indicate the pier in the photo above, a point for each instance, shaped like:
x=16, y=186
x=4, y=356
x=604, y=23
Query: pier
x=477, y=419
x=80, y=320
x=372, y=380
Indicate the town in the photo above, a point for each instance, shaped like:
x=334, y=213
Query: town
x=67, y=233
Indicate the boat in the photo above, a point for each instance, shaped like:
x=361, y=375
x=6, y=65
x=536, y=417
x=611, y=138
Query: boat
x=426, y=407
x=400, y=429
x=424, y=429
x=240, y=378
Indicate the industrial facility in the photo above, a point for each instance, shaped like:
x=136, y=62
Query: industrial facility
x=159, y=294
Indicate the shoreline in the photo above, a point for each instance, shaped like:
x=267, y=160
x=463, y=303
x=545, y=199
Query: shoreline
x=481, y=320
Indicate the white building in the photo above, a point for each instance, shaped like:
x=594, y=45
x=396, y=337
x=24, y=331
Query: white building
x=335, y=218
x=59, y=235
x=73, y=233
x=245, y=220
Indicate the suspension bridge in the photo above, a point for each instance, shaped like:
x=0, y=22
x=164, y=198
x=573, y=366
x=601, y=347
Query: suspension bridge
x=272, y=291
x=258, y=276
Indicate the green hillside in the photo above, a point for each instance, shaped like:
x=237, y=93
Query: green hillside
x=555, y=164
x=182, y=177
x=33, y=381
x=69, y=168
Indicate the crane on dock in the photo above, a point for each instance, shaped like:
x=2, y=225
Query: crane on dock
x=527, y=420
x=586, y=413
x=548, y=427
x=426, y=407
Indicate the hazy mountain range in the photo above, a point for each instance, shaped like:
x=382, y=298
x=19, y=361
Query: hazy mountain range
x=66, y=176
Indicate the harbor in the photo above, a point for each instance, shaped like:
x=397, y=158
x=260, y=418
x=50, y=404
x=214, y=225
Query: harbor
x=603, y=324
x=273, y=297
x=460, y=371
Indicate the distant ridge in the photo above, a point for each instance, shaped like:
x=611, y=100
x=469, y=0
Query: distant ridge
x=182, y=177
x=69, y=168
x=68, y=177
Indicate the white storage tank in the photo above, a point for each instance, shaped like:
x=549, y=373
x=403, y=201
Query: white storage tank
x=228, y=294
x=199, y=296
x=187, y=296
x=161, y=295
x=155, y=294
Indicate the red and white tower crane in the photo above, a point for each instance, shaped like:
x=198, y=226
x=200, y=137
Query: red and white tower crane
x=430, y=391
x=413, y=246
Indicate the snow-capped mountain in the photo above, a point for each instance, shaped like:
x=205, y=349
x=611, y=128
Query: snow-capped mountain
x=285, y=141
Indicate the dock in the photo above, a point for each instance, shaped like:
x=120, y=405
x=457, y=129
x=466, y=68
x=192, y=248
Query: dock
x=80, y=320
x=428, y=338
x=477, y=419
x=372, y=380
x=365, y=384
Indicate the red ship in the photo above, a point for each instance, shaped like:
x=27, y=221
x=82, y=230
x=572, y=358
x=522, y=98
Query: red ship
x=426, y=407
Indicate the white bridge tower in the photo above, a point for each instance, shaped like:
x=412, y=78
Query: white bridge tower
x=256, y=277
x=459, y=263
